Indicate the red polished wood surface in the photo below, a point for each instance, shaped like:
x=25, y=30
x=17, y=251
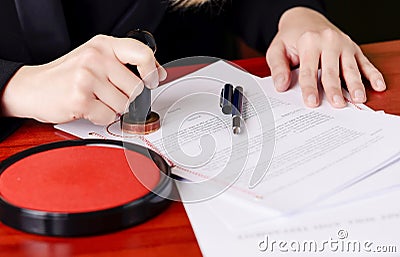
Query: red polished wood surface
x=170, y=233
x=386, y=57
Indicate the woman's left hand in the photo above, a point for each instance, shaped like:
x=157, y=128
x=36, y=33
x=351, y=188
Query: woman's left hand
x=308, y=39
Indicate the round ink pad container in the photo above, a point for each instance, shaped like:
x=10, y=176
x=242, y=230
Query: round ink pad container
x=82, y=187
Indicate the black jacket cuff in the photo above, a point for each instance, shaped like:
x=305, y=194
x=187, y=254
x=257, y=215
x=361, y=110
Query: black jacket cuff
x=8, y=125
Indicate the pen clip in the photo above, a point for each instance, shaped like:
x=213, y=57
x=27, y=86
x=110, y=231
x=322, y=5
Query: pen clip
x=221, y=98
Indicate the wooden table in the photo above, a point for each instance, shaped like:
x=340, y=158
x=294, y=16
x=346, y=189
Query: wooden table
x=170, y=233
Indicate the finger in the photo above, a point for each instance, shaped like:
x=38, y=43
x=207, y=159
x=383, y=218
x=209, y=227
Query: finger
x=330, y=76
x=150, y=77
x=370, y=72
x=99, y=113
x=162, y=73
x=110, y=96
x=124, y=79
x=134, y=52
x=352, y=77
x=309, y=54
x=279, y=64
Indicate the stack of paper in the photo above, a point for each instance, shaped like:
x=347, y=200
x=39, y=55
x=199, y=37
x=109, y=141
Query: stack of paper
x=328, y=172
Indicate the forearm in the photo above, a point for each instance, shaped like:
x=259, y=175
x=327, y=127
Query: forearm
x=7, y=71
x=14, y=102
x=304, y=17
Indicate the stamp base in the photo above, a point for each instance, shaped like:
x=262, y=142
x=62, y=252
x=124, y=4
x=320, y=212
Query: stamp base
x=151, y=125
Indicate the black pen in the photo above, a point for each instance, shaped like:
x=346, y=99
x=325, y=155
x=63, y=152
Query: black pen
x=227, y=99
x=237, y=109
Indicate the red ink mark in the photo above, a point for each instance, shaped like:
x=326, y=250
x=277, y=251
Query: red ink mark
x=170, y=162
x=112, y=133
x=354, y=104
x=154, y=148
x=97, y=135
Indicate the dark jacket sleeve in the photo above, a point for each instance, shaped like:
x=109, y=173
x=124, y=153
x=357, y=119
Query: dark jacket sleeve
x=7, y=70
x=256, y=21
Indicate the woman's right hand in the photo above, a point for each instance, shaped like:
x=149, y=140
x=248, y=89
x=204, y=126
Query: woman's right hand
x=90, y=82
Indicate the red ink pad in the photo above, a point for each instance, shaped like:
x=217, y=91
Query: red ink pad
x=82, y=187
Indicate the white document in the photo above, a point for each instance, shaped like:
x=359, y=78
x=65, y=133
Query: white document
x=317, y=152
x=382, y=182
x=361, y=228
x=376, y=184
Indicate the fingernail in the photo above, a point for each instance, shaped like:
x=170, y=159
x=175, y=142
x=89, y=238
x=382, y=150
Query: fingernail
x=337, y=100
x=280, y=82
x=312, y=100
x=359, y=95
x=380, y=84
